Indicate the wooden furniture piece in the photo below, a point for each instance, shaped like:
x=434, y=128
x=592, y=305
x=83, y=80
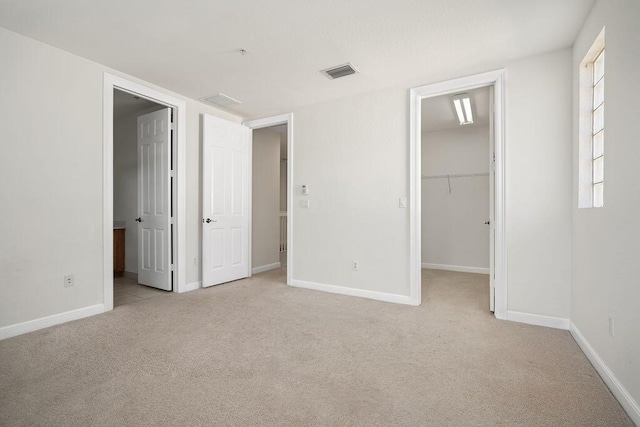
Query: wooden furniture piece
x=118, y=251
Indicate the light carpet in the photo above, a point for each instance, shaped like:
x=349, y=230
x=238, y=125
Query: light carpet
x=257, y=352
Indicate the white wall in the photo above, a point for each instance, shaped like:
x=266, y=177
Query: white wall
x=453, y=229
x=51, y=120
x=353, y=153
x=606, y=241
x=265, y=198
x=538, y=184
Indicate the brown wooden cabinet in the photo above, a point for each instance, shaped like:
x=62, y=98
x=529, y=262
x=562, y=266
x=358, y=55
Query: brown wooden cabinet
x=118, y=251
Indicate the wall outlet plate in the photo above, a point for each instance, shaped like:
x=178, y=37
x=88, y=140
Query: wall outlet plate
x=68, y=280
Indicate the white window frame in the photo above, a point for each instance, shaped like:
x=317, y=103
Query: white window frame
x=587, y=180
x=598, y=202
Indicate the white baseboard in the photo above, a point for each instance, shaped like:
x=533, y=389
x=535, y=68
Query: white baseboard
x=191, y=287
x=263, y=268
x=538, y=320
x=459, y=268
x=627, y=401
x=362, y=293
x=45, y=322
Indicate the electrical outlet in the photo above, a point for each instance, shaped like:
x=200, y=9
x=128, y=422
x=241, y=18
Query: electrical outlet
x=68, y=280
x=612, y=326
x=354, y=265
x=195, y=261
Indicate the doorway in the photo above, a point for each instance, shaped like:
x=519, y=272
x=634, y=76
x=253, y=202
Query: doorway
x=456, y=195
x=175, y=180
x=497, y=265
x=284, y=124
x=269, y=199
x=141, y=209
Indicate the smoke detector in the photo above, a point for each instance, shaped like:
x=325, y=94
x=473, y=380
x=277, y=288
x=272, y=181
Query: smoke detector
x=221, y=100
x=340, y=71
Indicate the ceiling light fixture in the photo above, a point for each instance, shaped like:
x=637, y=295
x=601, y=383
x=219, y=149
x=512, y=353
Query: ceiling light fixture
x=462, y=105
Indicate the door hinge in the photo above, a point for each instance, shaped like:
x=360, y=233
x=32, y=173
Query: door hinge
x=172, y=174
x=172, y=222
x=172, y=267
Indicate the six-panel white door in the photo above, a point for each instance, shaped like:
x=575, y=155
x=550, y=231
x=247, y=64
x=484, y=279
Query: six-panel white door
x=225, y=201
x=154, y=199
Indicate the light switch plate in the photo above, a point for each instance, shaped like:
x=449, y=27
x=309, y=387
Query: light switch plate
x=402, y=202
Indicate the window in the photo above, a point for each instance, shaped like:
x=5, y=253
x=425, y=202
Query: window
x=591, y=131
x=597, y=139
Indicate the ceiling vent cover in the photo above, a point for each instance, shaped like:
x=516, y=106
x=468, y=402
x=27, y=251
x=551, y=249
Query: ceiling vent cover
x=221, y=100
x=340, y=71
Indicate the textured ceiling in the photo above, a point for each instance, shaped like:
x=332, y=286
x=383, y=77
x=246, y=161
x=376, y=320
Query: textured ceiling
x=191, y=46
x=125, y=104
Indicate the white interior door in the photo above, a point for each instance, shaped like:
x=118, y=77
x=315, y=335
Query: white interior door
x=492, y=229
x=154, y=199
x=225, y=201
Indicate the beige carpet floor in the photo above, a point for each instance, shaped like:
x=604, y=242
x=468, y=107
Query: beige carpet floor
x=257, y=352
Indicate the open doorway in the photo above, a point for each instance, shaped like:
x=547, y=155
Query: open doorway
x=176, y=181
x=457, y=196
x=269, y=200
x=282, y=125
x=497, y=256
x=142, y=196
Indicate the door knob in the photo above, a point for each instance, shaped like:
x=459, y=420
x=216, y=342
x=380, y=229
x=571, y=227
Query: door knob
x=208, y=220
x=487, y=222
x=138, y=219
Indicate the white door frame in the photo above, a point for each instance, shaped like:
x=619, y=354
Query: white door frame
x=416, y=95
x=263, y=123
x=110, y=83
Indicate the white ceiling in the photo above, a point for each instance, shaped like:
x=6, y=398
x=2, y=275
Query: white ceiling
x=126, y=104
x=190, y=46
x=438, y=112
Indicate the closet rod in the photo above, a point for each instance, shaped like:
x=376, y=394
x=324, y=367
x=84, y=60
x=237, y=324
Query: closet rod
x=459, y=175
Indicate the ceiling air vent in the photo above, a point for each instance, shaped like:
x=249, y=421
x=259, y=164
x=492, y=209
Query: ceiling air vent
x=340, y=71
x=221, y=100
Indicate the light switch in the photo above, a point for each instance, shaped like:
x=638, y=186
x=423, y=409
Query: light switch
x=304, y=203
x=402, y=202
x=305, y=189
